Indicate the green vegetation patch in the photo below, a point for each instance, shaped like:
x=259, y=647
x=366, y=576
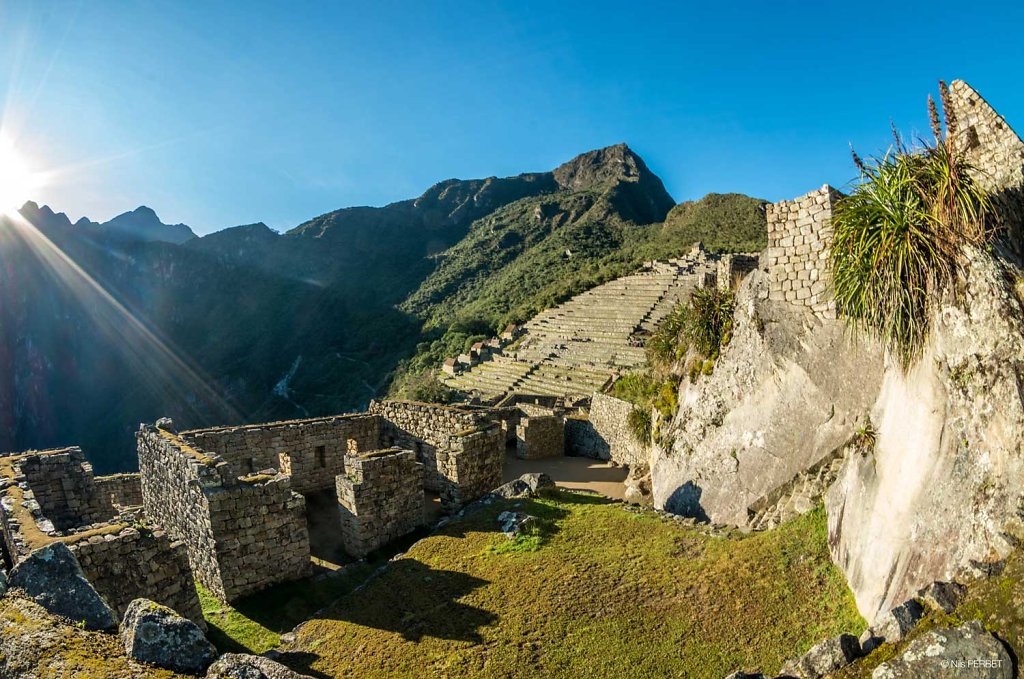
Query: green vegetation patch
x=607, y=592
x=255, y=624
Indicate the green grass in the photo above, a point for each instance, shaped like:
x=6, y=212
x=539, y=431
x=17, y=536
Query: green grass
x=255, y=624
x=607, y=592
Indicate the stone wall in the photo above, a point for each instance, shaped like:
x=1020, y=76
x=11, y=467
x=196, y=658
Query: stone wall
x=462, y=451
x=121, y=490
x=799, y=242
x=311, y=451
x=540, y=436
x=133, y=563
x=62, y=483
x=242, y=533
x=380, y=498
x=122, y=559
x=608, y=417
x=582, y=440
x=991, y=144
x=731, y=268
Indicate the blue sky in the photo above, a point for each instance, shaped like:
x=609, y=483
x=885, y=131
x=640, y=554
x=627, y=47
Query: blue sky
x=277, y=112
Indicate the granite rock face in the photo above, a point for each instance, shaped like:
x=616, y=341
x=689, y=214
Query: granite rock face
x=156, y=635
x=939, y=492
x=52, y=578
x=967, y=650
x=787, y=394
x=242, y=666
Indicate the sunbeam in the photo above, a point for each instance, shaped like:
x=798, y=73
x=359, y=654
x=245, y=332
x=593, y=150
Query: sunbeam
x=165, y=369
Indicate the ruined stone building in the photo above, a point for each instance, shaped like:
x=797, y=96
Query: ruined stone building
x=52, y=496
x=237, y=496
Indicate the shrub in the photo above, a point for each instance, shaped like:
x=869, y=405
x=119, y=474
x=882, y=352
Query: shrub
x=702, y=324
x=639, y=423
x=899, y=237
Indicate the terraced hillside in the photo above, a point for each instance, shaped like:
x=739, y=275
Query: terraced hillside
x=575, y=348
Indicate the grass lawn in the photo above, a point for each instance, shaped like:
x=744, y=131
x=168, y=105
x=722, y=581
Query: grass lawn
x=595, y=591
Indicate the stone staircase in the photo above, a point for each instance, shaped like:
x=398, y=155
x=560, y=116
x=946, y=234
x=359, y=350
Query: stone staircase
x=578, y=347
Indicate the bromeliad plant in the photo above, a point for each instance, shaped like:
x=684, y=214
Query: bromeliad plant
x=900, y=237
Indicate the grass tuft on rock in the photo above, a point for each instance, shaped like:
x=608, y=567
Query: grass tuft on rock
x=900, y=238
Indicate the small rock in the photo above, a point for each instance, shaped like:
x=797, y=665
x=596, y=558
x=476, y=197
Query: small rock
x=943, y=596
x=893, y=626
x=3, y=583
x=242, y=666
x=824, y=658
x=967, y=650
x=156, y=635
x=52, y=578
x=745, y=675
x=514, y=523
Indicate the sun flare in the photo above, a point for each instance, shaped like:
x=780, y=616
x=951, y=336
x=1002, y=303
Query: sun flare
x=17, y=179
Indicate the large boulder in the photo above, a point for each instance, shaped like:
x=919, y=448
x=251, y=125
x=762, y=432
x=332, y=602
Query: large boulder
x=967, y=650
x=788, y=391
x=935, y=497
x=525, y=485
x=242, y=666
x=156, y=635
x=52, y=577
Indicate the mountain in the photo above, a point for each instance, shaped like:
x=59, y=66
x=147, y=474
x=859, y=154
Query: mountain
x=139, y=225
x=105, y=325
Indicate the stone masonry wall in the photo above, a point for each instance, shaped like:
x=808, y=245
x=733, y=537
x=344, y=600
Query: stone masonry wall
x=121, y=490
x=121, y=559
x=242, y=534
x=431, y=431
x=608, y=416
x=539, y=436
x=582, y=440
x=473, y=467
x=62, y=483
x=311, y=451
x=799, y=241
x=989, y=141
x=380, y=499
x=732, y=267
x=134, y=563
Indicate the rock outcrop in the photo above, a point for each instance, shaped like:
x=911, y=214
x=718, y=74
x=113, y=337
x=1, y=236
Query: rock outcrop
x=787, y=394
x=967, y=650
x=52, y=578
x=156, y=635
x=938, y=497
x=37, y=645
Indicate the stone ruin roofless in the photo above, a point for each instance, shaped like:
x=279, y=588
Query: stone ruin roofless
x=235, y=495
x=52, y=496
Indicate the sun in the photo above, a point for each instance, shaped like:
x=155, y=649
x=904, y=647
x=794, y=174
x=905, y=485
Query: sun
x=17, y=179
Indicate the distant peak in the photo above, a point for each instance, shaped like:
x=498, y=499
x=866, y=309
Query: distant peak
x=601, y=167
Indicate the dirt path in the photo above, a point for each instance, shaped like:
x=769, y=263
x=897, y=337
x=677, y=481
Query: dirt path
x=571, y=472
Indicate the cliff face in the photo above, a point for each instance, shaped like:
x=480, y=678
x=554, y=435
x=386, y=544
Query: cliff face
x=940, y=495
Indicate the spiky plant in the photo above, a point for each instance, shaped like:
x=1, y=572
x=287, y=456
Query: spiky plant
x=900, y=237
